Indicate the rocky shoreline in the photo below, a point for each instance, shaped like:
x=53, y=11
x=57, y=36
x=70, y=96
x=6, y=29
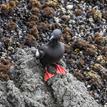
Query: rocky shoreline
x=28, y=23
x=27, y=88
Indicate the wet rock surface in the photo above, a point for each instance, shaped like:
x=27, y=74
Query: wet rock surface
x=29, y=23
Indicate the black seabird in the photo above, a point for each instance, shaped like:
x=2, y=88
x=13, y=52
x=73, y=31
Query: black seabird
x=50, y=55
x=53, y=51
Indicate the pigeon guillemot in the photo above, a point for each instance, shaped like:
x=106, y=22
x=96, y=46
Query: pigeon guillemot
x=54, y=50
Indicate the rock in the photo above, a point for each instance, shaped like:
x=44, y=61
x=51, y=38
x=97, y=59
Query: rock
x=35, y=11
x=100, y=39
x=69, y=92
x=1, y=45
x=86, y=46
x=101, y=60
x=35, y=3
x=79, y=75
x=65, y=18
x=53, y=3
x=67, y=35
x=78, y=12
x=94, y=77
x=48, y=11
x=5, y=65
x=3, y=96
x=105, y=15
x=29, y=40
x=97, y=14
x=30, y=81
x=101, y=70
x=28, y=89
x=11, y=25
x=14, y=96
x=69, y=7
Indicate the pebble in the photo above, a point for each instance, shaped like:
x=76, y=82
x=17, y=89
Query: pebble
x=105, y=105
x=1, y=44
x=57, y=20
x=69, y=7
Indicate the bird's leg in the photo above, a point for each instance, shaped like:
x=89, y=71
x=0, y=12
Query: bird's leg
x=62, y=63
x=51, y=68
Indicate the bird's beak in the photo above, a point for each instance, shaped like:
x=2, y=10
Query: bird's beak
x=51, y=37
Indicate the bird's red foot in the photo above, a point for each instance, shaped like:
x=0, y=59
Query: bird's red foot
x=59, y=70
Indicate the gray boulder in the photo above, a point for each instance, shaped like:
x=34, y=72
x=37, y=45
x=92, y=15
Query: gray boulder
x=28, y=89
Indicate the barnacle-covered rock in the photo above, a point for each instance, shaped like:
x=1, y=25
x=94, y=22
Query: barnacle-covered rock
x=93, y=78
x=65, y=18
x=5, y=65
x=53, y=3
x=101, y=59
x=101, y=70
x=35, y=11
x=26, y=23
x=54, y=26
x=3, y=93
x=30, y=24
x=43, y=26
x=12, y=4
x=100, y=39
x=14, y=96
x=79, y=75
x=104, y=15
x=35, y=3
x=11, y=25
x=4, y=8
x=92, y=74
x=78, y=12
x=29, y=40
x=86, y=46
x=34, y=31
x=7, y=42
x=7, y=6
x=67, y=35
x=97, y=14
x=48, y=11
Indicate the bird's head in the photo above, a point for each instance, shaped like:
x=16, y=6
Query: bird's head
x=56, y=34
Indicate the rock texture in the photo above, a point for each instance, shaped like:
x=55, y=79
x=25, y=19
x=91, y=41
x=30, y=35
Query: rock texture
x=29, y=23
x=27, y=88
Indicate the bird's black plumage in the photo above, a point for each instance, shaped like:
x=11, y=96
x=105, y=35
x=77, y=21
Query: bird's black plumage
x=54, y=50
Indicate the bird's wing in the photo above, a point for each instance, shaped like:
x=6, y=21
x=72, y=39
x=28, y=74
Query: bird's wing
x=42, y=50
